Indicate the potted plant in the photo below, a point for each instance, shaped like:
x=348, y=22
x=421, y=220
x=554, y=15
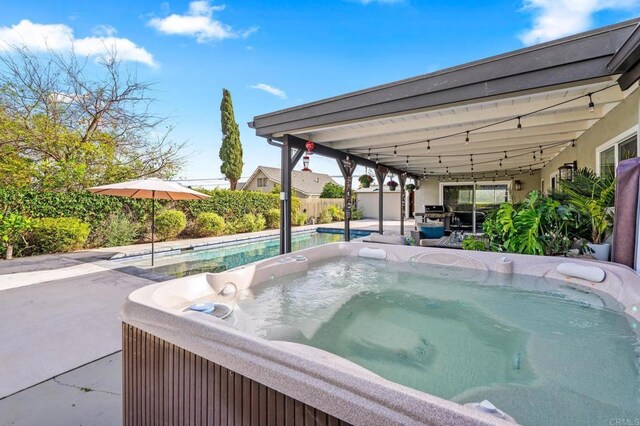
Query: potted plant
x=593, y=196
x=12, y=228
x=392, y=184
x=365, y=180
x=410, y=187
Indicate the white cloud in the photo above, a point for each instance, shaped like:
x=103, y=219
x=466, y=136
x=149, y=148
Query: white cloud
x=60, y=38
x=270, y=89
x=198, y=22
x=558, y=18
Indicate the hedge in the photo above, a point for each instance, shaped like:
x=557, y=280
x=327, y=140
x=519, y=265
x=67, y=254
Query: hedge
x=90, y=208
x=234, y=204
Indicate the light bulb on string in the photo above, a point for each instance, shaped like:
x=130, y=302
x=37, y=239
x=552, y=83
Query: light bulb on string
x=505, y=155
x=573, y=143
x=592, y=106
x=428, y=145
x=369, y=154
x=466, y=140
x=519, y=127
x=395, y=151
x=439, y=160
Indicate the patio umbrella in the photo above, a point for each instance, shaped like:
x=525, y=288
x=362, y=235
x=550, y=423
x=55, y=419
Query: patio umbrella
x=152, y=188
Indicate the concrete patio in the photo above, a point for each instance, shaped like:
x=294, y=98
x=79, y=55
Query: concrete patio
x=61, y=329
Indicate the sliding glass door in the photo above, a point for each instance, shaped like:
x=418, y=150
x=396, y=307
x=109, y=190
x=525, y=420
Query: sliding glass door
x=472, y=202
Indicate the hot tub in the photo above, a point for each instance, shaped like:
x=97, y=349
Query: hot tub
x=366, y=334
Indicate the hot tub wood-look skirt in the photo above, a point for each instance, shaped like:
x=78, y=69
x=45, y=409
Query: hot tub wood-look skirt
x=164, y=384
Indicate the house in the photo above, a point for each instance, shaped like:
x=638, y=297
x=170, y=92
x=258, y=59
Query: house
x=304, y=184
x=488, y=131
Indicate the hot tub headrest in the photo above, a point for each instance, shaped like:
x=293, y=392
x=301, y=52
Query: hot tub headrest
x=594, y=274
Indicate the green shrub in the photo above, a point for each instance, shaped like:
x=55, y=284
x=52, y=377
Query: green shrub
x=272, y=217
x=325, y=216
x=471, y=243
x=332, y=190
x=13, y=228
x=247, y=223
x=57, y=235
x=208, y=224
x=357, y=214
x=300, y=219
x=170, y=223
x=337, y=214
x=118, y=229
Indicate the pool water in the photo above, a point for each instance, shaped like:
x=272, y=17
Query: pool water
x=539, y=350
x=221, y=258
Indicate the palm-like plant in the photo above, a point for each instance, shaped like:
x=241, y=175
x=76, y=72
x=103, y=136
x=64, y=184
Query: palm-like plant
x=593, y=196
x=537, y=225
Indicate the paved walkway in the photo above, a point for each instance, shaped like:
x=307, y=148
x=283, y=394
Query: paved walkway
x=59, y=316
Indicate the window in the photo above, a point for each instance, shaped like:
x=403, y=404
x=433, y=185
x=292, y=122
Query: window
x=471, y=202
x=262, y=182
x=610, y=154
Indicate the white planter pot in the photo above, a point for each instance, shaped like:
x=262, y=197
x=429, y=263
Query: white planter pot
x=600, y=251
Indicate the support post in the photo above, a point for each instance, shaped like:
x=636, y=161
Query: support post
x=381, y=175
x=288, y=162
x=403, y=200
x=347, y=167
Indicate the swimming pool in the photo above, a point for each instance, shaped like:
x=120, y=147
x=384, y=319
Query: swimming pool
x=220, y=257
x=376, y=334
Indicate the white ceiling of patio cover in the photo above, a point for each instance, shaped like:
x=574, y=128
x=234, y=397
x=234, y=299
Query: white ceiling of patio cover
x=552, y=129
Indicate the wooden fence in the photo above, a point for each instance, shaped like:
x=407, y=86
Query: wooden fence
x=313, y=206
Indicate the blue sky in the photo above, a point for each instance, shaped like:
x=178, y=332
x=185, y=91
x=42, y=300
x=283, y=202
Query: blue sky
x=274, y=55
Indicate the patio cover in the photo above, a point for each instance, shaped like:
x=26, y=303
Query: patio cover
x=424, y=119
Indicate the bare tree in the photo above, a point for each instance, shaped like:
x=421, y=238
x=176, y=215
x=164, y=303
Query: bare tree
x=76, y=123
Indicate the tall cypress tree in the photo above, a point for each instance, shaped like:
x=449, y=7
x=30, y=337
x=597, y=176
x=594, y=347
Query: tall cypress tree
x=231, y=149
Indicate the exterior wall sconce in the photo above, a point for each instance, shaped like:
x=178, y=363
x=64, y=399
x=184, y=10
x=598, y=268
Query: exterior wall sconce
x=517, y=185
x=565, y=172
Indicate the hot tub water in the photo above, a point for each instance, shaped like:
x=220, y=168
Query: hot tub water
x=539, y=350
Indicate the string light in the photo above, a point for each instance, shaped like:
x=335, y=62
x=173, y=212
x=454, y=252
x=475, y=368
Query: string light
x=541, y=151
x=573, y=143
x=407, y=162
x=369, y=154
x=395, y=151
x=501, y=162
x=518, y=118
x=377, y=162
x=428, y=145
x=505, y=155
x=466, y=140
x=439, y=160
x=534, y=156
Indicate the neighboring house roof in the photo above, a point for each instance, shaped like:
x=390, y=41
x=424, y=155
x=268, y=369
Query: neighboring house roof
x=307, y=183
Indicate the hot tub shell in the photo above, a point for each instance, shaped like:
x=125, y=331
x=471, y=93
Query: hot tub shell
x=188, y=367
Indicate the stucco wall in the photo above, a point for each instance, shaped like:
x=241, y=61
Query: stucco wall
x=368, y=204
x=620, y=119
x=429, y=190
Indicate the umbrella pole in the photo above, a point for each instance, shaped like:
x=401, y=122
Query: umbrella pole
x=153, y=223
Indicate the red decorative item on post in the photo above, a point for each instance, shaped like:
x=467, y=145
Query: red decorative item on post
x=310, y=146
x=305, y=161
